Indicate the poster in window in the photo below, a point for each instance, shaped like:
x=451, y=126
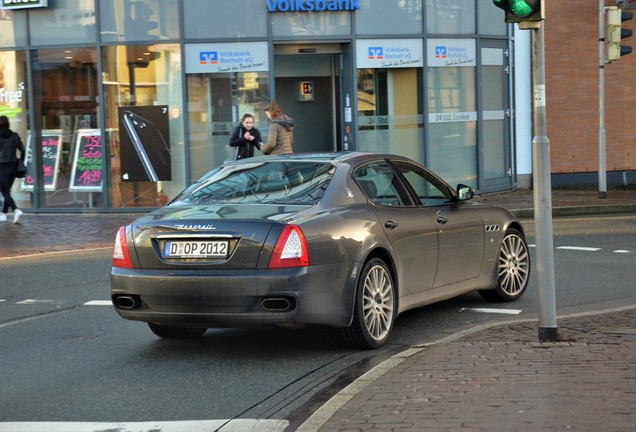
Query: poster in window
x=51, y=151
x=88, y=161
x=144, y=143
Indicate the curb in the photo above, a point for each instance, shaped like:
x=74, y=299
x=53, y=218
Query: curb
x=329, y=408
x=526, y=213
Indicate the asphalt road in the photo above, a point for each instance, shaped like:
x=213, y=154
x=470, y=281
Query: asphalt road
x=67, y=356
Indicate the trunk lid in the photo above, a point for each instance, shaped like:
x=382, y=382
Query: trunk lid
x=228, y=237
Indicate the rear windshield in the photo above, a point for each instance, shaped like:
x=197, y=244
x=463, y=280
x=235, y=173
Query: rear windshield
x=288, y=182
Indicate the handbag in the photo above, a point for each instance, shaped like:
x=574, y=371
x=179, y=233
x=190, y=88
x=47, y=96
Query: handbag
x=20, y=169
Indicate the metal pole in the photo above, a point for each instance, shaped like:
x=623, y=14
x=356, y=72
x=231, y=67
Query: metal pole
x=602, y=176
x=542, y=196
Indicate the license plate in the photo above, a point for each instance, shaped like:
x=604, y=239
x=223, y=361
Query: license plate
x=195, y=249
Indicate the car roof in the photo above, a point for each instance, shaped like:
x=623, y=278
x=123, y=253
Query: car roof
x=335, y=158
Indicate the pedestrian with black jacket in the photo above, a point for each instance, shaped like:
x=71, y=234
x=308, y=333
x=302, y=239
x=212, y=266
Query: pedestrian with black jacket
x=246, y=138
x=10, y=142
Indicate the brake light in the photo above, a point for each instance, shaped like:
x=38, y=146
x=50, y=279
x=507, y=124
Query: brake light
x=121, y=255
x=290, y=249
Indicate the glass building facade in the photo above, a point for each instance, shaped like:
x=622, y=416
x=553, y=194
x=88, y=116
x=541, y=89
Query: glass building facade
x=125, y=102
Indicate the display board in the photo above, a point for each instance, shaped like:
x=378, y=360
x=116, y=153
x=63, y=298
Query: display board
x=51, y=151
x=144, y=149
x=88, y=161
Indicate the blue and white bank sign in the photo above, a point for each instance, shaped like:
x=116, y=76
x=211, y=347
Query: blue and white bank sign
x=226, y=57
x=451, y=52
x=389, y=53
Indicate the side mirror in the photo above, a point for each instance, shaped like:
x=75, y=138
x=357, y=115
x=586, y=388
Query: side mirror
x=464, y=192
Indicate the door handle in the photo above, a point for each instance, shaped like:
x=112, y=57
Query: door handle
x=390, y=224
x=441, y=219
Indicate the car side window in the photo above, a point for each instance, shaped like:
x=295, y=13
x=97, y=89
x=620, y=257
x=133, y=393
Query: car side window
x=381, y=185
x=429, y=192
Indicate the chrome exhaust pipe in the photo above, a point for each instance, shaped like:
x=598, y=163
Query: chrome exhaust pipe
x=127, y=301
x=277, y=304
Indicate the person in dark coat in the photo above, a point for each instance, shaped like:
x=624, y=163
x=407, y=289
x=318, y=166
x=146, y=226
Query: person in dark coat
x=10, y=142
x=246, y=138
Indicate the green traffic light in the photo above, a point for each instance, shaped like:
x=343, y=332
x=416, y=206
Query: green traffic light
x=523, y=8
x=519, y=8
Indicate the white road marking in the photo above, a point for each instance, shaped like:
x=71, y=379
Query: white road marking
x=98, y=303
x=493, y=310
x=40, y=301
x=240, y=425
x=622, y=251
x=579, y=248
x=34, y=301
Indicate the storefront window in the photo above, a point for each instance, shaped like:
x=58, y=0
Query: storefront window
x=311, y=24
x=374, y=17
x=70, y=21
x=14, y=104
x=144, y=124
x=450, y=16
x=139, y=20
x=389, y=115
x=453, y=123
x=13, y=29
x=224, y=19
x=217, y=101
x=491, y=20
x=66, y=98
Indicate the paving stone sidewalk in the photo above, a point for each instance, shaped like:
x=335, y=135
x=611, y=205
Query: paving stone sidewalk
x=45, y=233
x=503, y=379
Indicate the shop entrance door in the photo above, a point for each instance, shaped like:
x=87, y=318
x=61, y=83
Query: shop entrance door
x=308, y=88
x=495, y=107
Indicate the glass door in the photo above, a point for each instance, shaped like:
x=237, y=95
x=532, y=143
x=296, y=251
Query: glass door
x=390, y=116
x=216, y=103
x=65, y=84
x=308, y=86
x=495, y=137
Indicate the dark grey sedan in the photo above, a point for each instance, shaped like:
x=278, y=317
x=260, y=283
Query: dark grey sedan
x=346, y=240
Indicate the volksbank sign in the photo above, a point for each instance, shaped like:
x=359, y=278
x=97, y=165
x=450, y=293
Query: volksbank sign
x=23, y=4
x=312, y=5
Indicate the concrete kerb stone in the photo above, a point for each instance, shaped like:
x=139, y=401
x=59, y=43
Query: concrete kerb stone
x=326, y=411
x=527, y=213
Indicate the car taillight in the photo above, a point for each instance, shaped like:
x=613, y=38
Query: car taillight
x=290, y=249
x=121, y=256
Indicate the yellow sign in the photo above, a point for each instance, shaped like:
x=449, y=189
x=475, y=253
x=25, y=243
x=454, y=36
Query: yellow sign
x=10, y=112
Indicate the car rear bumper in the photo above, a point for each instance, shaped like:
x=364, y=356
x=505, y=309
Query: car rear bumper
x=308, y=295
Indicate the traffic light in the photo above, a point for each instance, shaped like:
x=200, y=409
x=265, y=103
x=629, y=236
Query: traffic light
x=615, y=33
x=528, y=13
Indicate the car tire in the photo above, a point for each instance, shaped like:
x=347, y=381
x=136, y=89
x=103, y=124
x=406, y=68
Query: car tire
x=168, y=332
x=375, y=307
x=513, y=269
